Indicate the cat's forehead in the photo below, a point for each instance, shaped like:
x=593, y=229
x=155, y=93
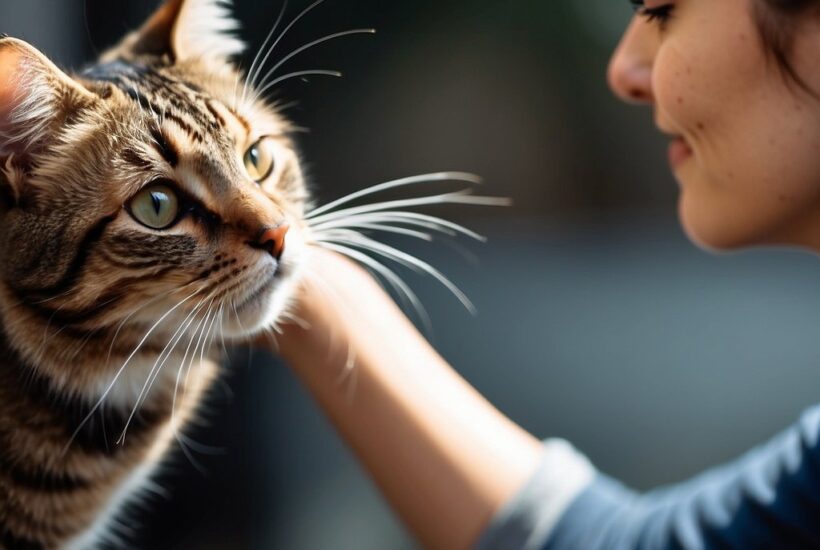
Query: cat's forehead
x=203, y=102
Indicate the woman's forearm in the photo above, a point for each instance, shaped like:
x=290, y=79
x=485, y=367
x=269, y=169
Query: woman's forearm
x=444, y=457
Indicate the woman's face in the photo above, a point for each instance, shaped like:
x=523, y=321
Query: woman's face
x=744, y=141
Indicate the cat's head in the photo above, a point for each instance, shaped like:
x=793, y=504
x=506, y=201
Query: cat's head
x=152, y=183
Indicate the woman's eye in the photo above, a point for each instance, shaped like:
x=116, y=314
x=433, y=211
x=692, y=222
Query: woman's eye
x=156, y=206
x=259, y=160
x=661, y=14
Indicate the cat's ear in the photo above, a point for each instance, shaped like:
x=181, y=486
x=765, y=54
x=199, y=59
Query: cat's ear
x=181, y=30
x=35, y=97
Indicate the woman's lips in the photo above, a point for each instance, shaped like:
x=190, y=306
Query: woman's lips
x=679, y=152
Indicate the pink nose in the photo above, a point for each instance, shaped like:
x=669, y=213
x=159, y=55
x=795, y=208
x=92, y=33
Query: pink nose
x=272, y=239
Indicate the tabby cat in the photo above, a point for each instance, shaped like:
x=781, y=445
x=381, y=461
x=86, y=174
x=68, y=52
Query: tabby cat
x=145, y=203
x=149, y=205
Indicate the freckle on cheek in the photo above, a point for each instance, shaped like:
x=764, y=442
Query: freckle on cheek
x=680, y=100
x=700, y=126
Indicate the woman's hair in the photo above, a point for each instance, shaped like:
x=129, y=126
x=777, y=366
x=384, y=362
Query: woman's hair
x=777, y=21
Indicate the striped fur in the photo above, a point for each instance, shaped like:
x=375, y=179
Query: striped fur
x=106, y=326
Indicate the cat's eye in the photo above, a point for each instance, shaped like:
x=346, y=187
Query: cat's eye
x=260, y=159
x=156, y=206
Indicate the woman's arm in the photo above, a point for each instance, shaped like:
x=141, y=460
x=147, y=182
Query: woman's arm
x=448, y=461
x=444, y=457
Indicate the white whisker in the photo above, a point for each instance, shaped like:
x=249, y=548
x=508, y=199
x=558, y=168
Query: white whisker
x=122, y=368
x=411, y=261
x=255, y=69
x=458, y=197
x=285, y=32
x=153, y=373
x=408, y=218
x=315, y=72
x=423, y=178
x=404, y=292
x=308, y=46
x=379, y=227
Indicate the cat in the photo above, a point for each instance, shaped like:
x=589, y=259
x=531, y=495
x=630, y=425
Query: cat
x=151, y=200
x=149, y=205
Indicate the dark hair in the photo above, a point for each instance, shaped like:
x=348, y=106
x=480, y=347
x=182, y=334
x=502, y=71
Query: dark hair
x=777, y=21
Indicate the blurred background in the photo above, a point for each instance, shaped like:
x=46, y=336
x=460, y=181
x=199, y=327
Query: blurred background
x=608, y=327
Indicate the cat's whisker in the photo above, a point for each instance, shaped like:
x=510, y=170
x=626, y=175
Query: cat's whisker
x=180, y=438
x=411, y=261
x=192, y=335
x=315, y=72
x=387, y=229
x=306, y=47
x=458, y=197
x=206, y=343
x=236, y=314
x=62, y=328
x=349, y=368
x=119, y=372
x=271, y=337
x=222, y=327
x=253, y=71
x=172, y=343
x=462, y=177
x=414, y=219
x=404, y=292
x=137, y=310
x=153, y=373
x=282, y=35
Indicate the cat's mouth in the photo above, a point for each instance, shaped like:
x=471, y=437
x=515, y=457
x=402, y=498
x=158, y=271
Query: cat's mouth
x=257, y=307
x=258, y=294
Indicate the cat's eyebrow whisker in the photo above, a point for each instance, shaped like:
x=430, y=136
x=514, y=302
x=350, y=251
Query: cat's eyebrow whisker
x=253, y=71
x=308, y=46
x=405, y=293
x=458, y=197
x=462, y=177
x=279, y=38
x=315, y=72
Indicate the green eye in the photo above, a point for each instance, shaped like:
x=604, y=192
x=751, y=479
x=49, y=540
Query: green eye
x=156, y=206
x=260, y=160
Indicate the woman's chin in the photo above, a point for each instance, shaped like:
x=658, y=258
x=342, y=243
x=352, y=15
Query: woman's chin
x=709, y=230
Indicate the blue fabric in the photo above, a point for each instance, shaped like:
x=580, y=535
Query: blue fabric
x=769, y=498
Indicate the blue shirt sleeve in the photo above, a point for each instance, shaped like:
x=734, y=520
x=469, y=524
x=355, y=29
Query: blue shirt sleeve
x=769, y=498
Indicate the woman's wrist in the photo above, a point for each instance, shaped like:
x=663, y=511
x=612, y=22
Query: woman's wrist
x=442, y=455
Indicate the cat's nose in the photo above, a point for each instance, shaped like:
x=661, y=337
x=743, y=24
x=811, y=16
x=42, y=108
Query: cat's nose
x=272, y=239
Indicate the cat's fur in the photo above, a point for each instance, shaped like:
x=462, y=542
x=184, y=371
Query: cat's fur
x=89, y=297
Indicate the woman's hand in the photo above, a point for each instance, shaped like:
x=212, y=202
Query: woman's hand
x=441, y=454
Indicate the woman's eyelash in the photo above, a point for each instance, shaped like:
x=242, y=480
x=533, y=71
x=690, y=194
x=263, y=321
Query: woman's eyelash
x=661, y=14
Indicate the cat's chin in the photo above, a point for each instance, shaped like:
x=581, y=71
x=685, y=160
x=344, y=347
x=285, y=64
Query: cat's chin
x=259, y=311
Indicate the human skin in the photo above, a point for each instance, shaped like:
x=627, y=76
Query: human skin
x=754, y=173
x=446, y=459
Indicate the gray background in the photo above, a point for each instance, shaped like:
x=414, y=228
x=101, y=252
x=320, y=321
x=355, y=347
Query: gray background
x=598, y=321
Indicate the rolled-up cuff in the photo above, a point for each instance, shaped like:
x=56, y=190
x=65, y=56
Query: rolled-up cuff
x=528, y=519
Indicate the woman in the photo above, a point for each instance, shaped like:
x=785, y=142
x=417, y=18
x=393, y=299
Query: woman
x=735, y=85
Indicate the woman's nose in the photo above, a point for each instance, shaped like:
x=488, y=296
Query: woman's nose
x=630, y=69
